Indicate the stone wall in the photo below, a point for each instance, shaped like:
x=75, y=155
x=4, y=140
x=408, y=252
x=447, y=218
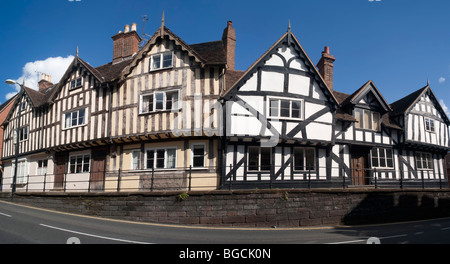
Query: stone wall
x=255, y=208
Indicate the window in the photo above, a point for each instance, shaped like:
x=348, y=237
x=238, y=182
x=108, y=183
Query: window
x=23, y=133
x=367, y=119
x=424, y=161
x=23, y=106
x=429, y=124
x=42, y=167
x=172, y=100
x=79, y=164
x=22, y=171
x=382, y=158
x=76, y=83
x=304, y=159
x=259, y=159
x=198, y=155
x=136, y=160
x=161, y=158
x=161, y=61
x=147, y=104
x=159, y=101
x=75, y=118
x=284, y=108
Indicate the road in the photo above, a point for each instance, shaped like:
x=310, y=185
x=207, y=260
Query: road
x=27, y=225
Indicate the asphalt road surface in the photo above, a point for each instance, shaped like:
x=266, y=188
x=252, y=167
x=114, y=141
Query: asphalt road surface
x=27, y=225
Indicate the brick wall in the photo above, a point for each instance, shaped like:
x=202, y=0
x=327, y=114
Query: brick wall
x=252, y=208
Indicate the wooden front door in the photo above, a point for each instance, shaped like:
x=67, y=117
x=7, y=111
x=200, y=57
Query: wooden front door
x=359, y=170
x=98, y=169
x=60, y=170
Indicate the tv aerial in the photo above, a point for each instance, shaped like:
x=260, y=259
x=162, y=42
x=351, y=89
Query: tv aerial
x=145, y=37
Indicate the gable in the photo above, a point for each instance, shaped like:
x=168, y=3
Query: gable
x=421, y=101
x=179, y=58
x=281, y=96
x=77, y=69
x=284, y=69
x=425, y=105
x=210, y=53
x=369, y=96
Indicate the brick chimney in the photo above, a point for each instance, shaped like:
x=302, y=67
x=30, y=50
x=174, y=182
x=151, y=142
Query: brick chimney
x=126, y=44
x=45, y=83
x=325, y=67
x=229, y=41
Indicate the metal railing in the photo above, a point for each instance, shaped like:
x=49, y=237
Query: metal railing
x=210, y=178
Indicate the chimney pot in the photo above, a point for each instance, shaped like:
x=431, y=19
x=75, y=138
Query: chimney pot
x=45, y=82
x=327, y=50
x=125, y=44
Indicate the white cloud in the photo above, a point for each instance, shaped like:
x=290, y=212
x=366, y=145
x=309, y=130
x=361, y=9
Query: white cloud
x=32, y=71
x=442, y=80
x=444, y=107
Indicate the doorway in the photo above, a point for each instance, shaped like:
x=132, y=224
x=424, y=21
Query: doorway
x=98, y=169
x=359, y=169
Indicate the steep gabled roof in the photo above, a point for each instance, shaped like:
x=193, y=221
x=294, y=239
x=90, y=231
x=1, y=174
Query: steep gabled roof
x=361, y=92
x=37, y=98
x=290, y=38
x=208, y=53
x=404, y=105
x=102, y=74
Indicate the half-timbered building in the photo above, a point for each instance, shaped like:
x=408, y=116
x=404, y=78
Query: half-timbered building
x=147, y=120
x=286, y=126
x=280, y=117
x=178, y=116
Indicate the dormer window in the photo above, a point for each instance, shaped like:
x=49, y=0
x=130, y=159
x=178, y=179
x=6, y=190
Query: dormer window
x=74, y=84
x=367, y=119
x=161, y=61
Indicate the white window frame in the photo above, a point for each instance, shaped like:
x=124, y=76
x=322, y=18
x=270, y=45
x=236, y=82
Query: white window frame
x=363, y=124
x=193, y=145
x=379, y=158
x=428, y=157
x=161, y=62
x=74, y=82
x=155, y=155
x=175, y=106
x=138, y=163
x=259, y=159
x=78, y=118
x=430, y=125
x=41, y=170
x=82, y=163
x=291, y=100
x=304, y=159
x=22, y=172
x=22, y=132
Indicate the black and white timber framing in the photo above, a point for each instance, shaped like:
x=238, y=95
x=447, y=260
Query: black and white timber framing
x=276, y=125
x=345, y=152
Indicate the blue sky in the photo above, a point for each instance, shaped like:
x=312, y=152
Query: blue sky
x=399, y=44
